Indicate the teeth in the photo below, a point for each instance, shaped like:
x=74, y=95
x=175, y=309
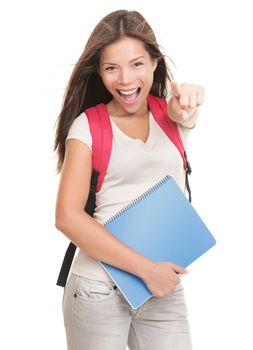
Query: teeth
x=130, y=92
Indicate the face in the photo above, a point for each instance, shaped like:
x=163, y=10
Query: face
x=126, y=69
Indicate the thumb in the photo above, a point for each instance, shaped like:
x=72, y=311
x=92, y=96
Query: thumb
x=175, y=90
x=178, y=268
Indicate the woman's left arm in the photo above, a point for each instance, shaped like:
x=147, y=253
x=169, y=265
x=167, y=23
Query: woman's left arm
x=184, y=102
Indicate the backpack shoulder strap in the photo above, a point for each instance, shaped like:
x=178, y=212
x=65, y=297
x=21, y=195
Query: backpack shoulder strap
x=158, y=107
x=101, y=132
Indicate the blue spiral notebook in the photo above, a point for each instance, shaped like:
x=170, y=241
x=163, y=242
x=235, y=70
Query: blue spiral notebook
x=161, y=225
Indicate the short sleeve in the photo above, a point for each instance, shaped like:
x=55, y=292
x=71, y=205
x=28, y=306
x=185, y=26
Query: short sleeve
x=80, y=130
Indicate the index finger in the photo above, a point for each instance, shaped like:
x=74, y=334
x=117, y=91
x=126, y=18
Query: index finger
x=175, y=90
x=178, y=269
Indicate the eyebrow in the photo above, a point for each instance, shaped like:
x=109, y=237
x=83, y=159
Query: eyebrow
x=135, y=59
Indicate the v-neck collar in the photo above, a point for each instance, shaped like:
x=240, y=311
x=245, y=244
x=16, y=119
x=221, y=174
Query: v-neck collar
x=127, y=137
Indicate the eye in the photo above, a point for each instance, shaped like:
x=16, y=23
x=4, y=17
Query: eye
x=138, y=64
x=110, y=68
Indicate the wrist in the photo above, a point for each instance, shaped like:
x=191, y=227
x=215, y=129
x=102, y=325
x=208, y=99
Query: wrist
x=146, y=267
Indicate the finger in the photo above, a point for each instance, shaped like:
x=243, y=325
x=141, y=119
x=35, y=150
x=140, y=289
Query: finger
x=188, y=96
x=177, y=108
x=200, y=97
x=184, y=98
x=178, y=269
x=175, y=90
x=193, y=99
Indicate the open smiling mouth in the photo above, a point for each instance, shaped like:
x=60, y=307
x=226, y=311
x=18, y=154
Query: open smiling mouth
x=129, y=96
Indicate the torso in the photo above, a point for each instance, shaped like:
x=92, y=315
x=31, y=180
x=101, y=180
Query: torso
x=133, y=168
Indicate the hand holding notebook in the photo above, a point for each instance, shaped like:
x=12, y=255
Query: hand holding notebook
x=161, y=225
x=162, y=277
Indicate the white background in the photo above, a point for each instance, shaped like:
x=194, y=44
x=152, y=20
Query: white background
x=209, y=41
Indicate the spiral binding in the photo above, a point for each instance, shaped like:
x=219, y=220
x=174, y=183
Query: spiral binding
x=138, y=199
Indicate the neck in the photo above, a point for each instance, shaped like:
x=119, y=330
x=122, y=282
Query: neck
x=114, y=110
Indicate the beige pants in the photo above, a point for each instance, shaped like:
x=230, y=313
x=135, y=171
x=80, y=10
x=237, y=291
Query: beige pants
x=97, y=317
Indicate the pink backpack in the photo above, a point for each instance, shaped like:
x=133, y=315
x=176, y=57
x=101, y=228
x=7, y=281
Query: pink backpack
x=101, y=132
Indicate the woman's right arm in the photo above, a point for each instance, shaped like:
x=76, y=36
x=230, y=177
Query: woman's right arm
x=92, y=237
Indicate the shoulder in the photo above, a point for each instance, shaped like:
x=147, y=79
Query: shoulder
x=80, y=130
x=80, y=122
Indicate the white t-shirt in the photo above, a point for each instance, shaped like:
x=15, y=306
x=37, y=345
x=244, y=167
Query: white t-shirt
x=134, y=167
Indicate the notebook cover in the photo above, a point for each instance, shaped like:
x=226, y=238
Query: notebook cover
x=161, y=225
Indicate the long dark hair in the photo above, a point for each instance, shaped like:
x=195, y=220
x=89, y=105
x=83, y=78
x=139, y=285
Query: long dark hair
x=85, y=87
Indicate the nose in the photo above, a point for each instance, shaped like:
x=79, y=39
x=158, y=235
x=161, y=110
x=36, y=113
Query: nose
x=125, y=76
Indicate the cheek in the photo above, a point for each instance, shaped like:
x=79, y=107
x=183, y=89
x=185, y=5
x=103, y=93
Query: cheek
x=147, y=76
x=107, y=80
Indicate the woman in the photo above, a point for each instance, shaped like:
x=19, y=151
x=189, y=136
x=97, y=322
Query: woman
x=120, y=65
